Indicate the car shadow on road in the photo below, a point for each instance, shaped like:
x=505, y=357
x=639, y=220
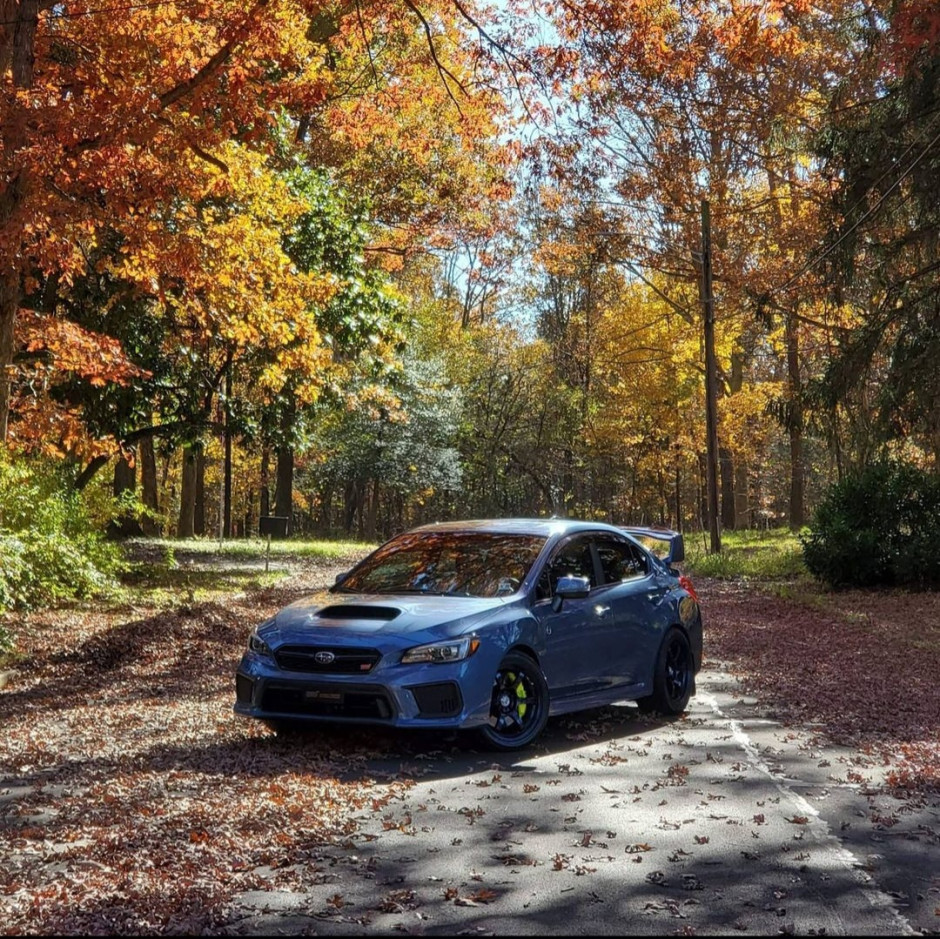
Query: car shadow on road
x=362, y=753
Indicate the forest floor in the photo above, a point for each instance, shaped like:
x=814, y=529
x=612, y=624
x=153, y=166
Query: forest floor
x=133, y=801
x=862, y=666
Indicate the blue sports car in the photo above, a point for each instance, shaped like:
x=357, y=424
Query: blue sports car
x=486, y=625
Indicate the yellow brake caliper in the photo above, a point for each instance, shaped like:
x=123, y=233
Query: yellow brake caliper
x=520, y=698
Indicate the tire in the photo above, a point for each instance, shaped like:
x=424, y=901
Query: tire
x=674, y=678
x=519, y=704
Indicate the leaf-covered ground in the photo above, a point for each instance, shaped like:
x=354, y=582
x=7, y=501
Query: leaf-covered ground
x=133, y=801
x=141, y=802
x=862, y=666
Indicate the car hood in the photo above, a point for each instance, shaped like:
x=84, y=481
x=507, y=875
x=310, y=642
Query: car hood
x=326, y=617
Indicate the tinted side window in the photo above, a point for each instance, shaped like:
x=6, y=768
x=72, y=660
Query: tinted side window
x=573, y=559
x=620, y=560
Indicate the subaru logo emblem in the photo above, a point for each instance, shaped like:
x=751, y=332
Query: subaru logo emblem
x=324, y=658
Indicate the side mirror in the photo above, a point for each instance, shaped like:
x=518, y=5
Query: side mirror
x=570, y=588
x=340, y=577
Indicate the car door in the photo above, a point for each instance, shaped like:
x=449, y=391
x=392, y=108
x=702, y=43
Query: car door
x=573, y=658
x=632, y=591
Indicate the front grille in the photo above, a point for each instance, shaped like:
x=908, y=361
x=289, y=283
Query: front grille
x=345, y=661
x=439, y=700
x=327, y=702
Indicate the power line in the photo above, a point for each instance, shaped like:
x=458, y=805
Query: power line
x=824, y=254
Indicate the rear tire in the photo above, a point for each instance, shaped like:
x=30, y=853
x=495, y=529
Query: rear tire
x=673, y=679
x=519, y=704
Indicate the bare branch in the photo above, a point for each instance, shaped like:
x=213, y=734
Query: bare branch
x=442, y=69
x=210, y=68
x=208, y=157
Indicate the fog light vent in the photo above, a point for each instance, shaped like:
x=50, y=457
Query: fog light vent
x=243, y=689
x=438, y=700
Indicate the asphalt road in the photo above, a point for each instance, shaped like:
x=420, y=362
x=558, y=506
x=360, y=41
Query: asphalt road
x=618, y=824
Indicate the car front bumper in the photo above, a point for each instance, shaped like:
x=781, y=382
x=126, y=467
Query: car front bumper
x=447, y=696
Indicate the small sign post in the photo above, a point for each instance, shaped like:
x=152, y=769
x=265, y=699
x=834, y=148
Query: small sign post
x=272, y=526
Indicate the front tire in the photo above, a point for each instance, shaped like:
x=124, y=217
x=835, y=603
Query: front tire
x=519, y=704
x=674, y=677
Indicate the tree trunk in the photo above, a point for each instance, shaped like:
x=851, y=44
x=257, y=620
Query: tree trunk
x=350, y=501
x=711, y=383
x=284, y=490
x=125, y=480
x=125, y=477
x=227, y=460
x=361, y=528
x=247, y=526
x=9, y=305
x=678, y=492
x=726, y=464
x=795, y=425
x=148, y=482
x=199, y=498
x=19, y=57
x=326, y=508
x=794, y=382
x=742, y=513
x=265, y=494
x=88, y=473
x=186, y=529
x=371, y=522
x=734, y=489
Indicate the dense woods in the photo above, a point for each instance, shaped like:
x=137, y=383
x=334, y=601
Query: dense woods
x=370, y=264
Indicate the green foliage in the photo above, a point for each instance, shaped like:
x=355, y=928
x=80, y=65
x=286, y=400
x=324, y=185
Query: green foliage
x=888, y=360
x=50, y=547
x=171, y=552
x=409, y=453
x=765, y=556
x=331, y=237
x=173, y=573
x=880, y=526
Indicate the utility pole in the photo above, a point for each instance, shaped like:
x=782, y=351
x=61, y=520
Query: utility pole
x=711, y=382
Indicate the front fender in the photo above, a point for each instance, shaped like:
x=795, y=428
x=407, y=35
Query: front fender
x=521, y=633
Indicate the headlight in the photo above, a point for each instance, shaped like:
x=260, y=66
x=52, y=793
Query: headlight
x=257, y=645
x=439, y=652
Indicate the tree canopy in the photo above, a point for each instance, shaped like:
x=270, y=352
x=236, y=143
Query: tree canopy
x=353, y=239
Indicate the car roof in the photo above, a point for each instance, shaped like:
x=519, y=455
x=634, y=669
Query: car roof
x=545, y=527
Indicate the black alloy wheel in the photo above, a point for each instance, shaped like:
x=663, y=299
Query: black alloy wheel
x=674, y=678
x=519, y=705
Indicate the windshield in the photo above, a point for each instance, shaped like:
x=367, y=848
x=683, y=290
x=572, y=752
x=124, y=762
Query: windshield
x=467, y=564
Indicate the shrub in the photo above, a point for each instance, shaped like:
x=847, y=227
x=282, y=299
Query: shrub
x=50, y=548
x=880, y=526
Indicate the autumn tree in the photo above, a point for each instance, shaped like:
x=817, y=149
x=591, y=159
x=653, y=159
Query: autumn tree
x=163, y=144
x=684, y=104
x=882, y=152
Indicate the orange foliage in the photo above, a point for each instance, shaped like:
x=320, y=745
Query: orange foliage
x=166, y=128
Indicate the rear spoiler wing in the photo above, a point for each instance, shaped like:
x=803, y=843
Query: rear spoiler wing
x=676, y=543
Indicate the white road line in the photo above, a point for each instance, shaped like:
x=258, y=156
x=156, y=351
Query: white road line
x=819, y=827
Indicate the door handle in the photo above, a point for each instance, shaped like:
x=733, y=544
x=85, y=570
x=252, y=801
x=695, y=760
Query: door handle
x=601, y=610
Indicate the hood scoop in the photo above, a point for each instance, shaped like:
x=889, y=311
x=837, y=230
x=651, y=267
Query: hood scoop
x=382, y=614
